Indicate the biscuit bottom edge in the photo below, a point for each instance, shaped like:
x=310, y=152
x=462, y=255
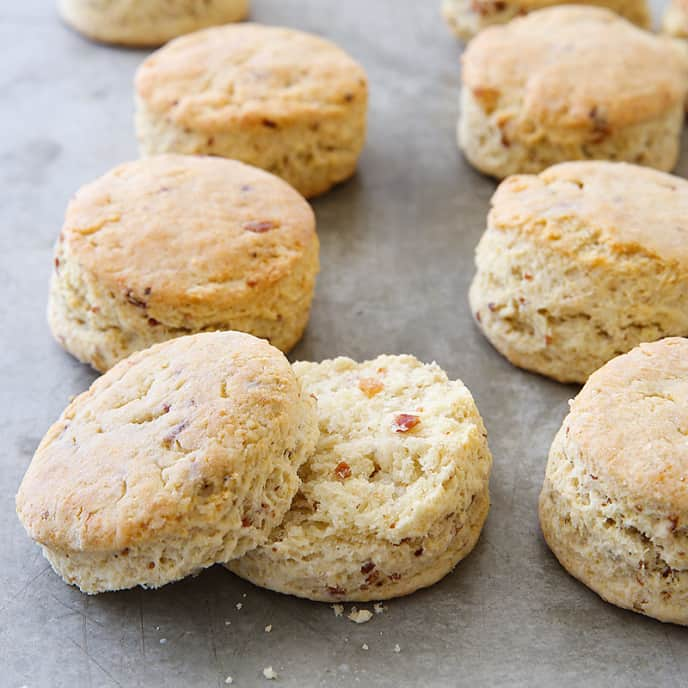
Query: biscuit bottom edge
x=660, y=593
x=469, y=524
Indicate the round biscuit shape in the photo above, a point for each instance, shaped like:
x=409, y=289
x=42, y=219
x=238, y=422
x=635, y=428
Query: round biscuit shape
x=571, y=83
x=182, y=456
x=580, y=264
x=147, y=22
x=173, y=245
x=286, y=101
x=396, y=492
x=614, y=505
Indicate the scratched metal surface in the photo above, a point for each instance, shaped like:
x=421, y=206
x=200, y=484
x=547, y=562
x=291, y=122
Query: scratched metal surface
x=397, y=244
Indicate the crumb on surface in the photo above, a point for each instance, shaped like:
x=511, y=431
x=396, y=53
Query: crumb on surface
x=269, y=673
x=379, y=608
x=229, y=680
x=397, y=648
x=364, y=646
x=338, y=609
x=268, y=628
x=163, y=641
x=239, y=606
x=360, y=615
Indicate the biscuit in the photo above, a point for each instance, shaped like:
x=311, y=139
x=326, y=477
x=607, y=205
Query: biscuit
x=182, y=456
x=468, y=17
x=285, y=101
x=582, y=263
x=675, y=21
x=173, y=245
x=570, y=83
x=396, y=492
x=614, y=506
x=147, y=22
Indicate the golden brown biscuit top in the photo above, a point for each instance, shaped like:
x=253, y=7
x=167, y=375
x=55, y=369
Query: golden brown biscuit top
x=575, y=68
x=577, y=206
x=185, y=230
x=248, y=74
x=162, y=439
x=629, y=426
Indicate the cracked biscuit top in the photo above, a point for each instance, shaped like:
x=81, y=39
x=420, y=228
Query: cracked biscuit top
x=183, y=232
x=574, y=70
x=180, y=437
x=629, y=428
x=249, y=75
x=597, y=211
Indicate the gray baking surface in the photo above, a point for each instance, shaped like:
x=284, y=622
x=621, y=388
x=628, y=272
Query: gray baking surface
x=397, y=258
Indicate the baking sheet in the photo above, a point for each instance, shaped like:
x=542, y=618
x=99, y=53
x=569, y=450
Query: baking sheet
x=397, y=257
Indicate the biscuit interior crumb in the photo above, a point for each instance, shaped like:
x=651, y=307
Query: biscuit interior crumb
x=360, y=615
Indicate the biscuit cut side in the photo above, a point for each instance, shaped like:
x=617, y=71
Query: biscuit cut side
x=396, y=492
